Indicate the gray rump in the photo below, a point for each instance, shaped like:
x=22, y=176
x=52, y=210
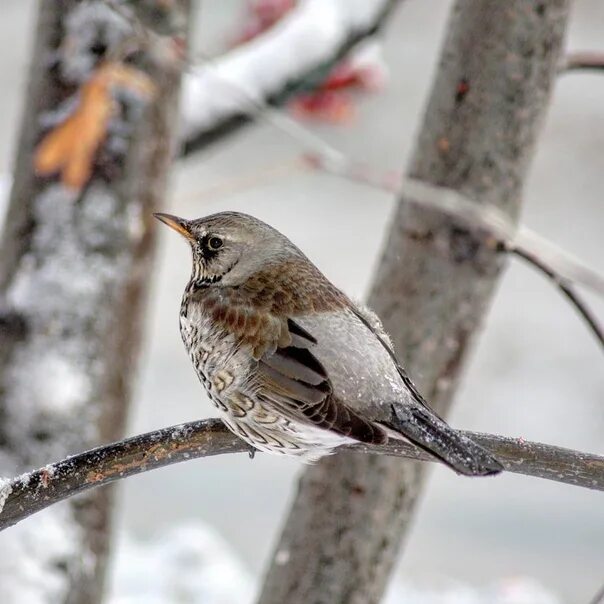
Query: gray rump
x=361, y=371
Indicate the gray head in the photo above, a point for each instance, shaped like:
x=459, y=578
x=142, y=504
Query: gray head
x=229, y=247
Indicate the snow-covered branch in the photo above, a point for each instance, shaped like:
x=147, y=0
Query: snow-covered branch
x=34, y=491
x=294, y=55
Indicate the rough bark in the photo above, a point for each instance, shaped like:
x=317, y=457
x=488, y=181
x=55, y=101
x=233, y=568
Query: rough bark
x=29, y=493
x=74, y=271
x=432, y=289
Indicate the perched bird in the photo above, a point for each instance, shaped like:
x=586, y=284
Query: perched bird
x=292, y=363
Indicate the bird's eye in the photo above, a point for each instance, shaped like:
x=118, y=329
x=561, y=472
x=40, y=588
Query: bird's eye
x=215, y=243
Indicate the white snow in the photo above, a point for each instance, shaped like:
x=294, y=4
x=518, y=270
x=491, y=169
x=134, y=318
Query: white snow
x=89, y=23
x=512, y=590
x=5, y=490
x=282, y=557
x=36, y=555
x=56, y=384
x=189, y=563
x=236, y=82
x=74, y=263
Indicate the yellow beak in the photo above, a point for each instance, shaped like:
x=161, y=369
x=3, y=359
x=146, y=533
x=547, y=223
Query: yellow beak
x=180, y=225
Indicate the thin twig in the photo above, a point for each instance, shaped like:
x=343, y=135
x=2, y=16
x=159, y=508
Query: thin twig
x=495, y=223
x=521, y=242
x=32, y=492
x=475, y=215
x=566, y=289
x=599, y=597
x=583, y=61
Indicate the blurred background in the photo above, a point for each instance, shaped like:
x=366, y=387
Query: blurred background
x=536, y=372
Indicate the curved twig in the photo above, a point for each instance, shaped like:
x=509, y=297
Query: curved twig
x=461, y=207
x=27, y=494
x=566, y=288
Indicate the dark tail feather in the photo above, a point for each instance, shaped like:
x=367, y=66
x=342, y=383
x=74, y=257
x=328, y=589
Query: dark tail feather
x=453, y=448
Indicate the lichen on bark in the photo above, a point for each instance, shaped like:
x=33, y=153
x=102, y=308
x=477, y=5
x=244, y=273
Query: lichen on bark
x=74, y=272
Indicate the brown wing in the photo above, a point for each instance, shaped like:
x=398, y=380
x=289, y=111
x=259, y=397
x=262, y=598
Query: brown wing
x=259, y=313
x=292, y=379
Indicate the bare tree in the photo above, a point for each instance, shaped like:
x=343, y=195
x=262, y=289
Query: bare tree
x=95, y=147
x=432, y=288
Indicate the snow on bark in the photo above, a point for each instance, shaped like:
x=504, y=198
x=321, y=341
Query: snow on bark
x=73, y=277
x=74, y=265
x=88, y=25
x=5, y=490
x=37, y=555
x=307, y=38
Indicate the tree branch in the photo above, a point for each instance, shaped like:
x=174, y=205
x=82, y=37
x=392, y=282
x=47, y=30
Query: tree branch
x=565, y=288
x=463, y=208
x=294, y=56
x=34, y=491
x=583, y=61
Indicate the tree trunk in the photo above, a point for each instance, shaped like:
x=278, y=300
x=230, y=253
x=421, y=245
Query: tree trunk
x=74, y=274
x=432, y=289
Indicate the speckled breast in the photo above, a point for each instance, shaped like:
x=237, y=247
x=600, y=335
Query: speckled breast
x=212, y=354
x=224, y=367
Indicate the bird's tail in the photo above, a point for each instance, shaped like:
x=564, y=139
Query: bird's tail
x=430, y=433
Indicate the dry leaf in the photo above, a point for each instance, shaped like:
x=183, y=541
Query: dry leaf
x=71, y=146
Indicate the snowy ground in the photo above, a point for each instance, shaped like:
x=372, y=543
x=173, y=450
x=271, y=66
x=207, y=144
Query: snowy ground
x=191, y=564
x=536, y=371
x=188, y=564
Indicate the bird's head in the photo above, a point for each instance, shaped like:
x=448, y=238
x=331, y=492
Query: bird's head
x=230, y=247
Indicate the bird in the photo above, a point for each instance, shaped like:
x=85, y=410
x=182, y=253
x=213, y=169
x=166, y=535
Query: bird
x=294, y=366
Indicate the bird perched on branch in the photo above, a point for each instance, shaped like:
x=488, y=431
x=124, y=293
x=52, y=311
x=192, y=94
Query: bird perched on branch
x=292, y=363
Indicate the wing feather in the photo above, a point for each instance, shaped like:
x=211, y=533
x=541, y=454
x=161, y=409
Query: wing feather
x=293, y=379
x=261, y=314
